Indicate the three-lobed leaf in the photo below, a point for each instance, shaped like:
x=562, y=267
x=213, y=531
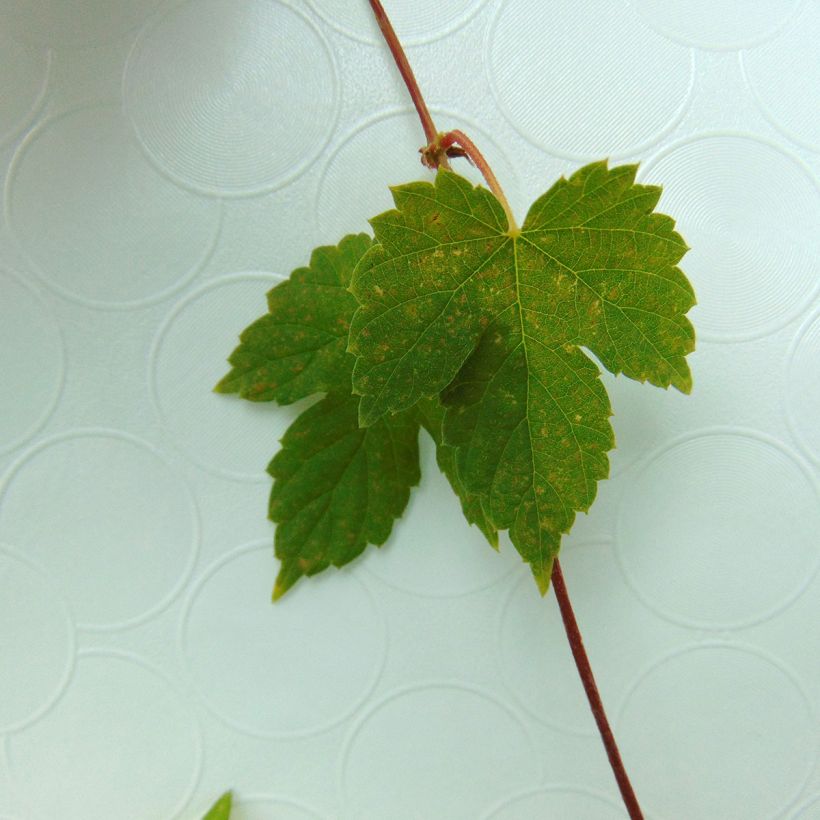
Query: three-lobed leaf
x=454, y=303
x=479, y=334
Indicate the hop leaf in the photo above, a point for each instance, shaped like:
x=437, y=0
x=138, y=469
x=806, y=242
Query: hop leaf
x=493, y=320
x=336, y=487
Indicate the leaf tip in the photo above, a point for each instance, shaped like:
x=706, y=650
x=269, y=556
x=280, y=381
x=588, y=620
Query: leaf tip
x=542, y=575
x=221, y=810
x=289, y=574
x=223, y=385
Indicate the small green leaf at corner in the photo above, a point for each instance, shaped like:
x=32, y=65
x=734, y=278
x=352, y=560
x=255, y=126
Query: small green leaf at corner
x=221, y=810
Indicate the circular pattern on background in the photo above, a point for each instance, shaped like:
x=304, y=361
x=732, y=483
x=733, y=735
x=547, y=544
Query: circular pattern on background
x=701, y=520
x=702, y=706
x=432, y=551
x=559, y=802
x=417, y=22
x=114, y=524
x=532, y=646
x=809, y=811
x=260, y=807
x=227, y=436
x=94, y=218
x=618, y=85
x=803, y=387
x=36, y=642
x=717, y=24
x=387, y=146
x=121, y=742
x=32, y=361
x=461, y=751
x=24, y=73
x=750, y=212
x=293, y=669
x=639, y=418
x=69, y=25
x=210, y=89
x=784, y=76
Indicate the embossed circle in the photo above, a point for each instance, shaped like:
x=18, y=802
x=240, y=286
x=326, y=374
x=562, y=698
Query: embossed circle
x=36, y=642
x=69, y=25
x=700, y=522
x=460, y=750
x=231, y=437
x=32, y=361
x=717, y=24
x=784, y=76
x=293, y=669
x=210, y=91
x=750, y=212
x=638, y=419
x=417, y=22
x=532, y=647
x=803, y=387
x=809, y=811
x=121, y=742
x=717, y=730
x=387, y=145
x=24, y=72
x=558, y=802
x=432, y=551
x=96, y=220
x=618, y=85
x=113, y=523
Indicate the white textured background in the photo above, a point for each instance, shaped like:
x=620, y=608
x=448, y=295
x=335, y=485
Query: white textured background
x=164, y=164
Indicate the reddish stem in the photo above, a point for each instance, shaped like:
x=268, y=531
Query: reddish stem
x=430, y=132
x=576, y=644
x=470, y=149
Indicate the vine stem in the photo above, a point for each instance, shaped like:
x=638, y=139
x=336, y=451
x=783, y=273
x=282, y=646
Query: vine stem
x=441, y=146
x=576, y=644
x=402, y=63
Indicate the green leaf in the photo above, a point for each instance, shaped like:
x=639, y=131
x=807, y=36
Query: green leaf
x=431, y=415
x=221, y=810
x=337, y=488
x=298, y=348
x=494, y=320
